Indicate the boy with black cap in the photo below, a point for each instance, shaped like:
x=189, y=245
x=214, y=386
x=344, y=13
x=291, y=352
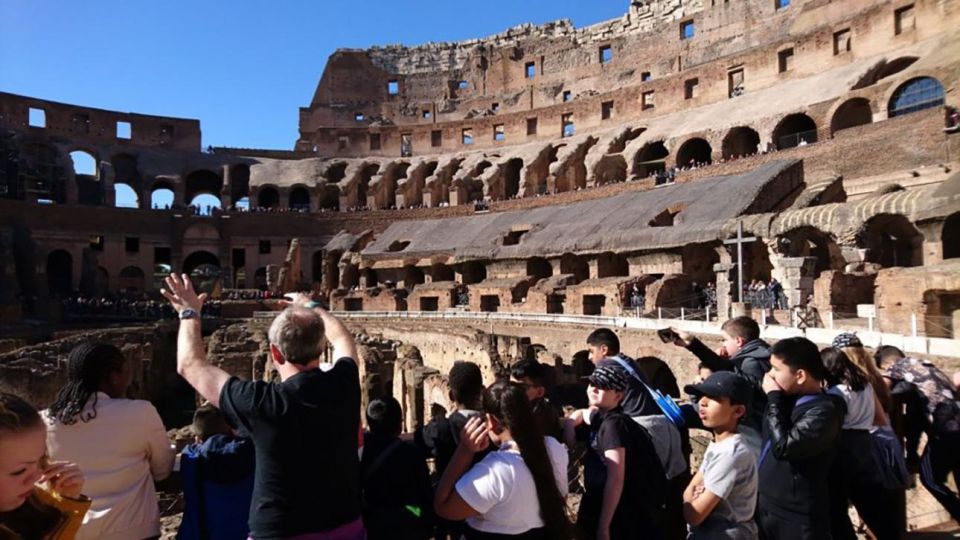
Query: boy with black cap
x=624, y=480
x=720, y=501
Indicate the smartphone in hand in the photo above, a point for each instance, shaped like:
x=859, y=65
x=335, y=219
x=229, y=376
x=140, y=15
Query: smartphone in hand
x=667, y=335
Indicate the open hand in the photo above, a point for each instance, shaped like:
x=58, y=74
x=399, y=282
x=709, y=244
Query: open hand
x=179, y=292
x=474, y=436
x=64, y=478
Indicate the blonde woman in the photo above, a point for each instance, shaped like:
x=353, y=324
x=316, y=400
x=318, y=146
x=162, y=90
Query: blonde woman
x=853, y=348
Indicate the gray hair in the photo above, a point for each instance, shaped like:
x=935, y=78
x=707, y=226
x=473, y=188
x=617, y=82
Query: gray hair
x=298, y=334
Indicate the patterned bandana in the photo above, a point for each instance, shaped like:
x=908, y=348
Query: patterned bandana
x=846, y=340
x=609, y=378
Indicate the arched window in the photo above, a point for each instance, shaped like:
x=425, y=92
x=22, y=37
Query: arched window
x=126, y=197
x=916, y=95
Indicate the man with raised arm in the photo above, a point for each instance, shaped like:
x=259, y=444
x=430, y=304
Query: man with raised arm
x=304, y=427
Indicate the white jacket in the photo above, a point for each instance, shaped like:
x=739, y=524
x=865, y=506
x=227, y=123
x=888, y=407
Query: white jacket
x=121, y=452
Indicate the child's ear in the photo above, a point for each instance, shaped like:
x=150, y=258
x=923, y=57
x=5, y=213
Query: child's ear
x=740, y=411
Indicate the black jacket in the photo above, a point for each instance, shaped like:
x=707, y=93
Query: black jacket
x=751, y=361
x=800, y=438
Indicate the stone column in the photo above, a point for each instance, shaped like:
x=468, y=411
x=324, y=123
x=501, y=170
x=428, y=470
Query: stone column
x=795, y=274
x=225, y=188
x=726, y=283
x=106, y=184
x=593, y=265
x=932, y=241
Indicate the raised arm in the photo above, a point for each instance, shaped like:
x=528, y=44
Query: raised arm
x=337, y=333
x=192, y=365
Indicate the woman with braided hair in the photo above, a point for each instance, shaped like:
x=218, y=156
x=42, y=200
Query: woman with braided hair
x=120, y=444
x=38, y=498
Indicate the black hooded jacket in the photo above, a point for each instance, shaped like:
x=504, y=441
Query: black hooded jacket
x=800, y=438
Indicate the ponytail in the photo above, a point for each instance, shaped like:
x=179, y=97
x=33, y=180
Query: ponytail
x=88, y=365
x=508, y=403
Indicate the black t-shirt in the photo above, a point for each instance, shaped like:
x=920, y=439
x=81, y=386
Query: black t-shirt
x=644, y=480
x=440, y=438
x=305, y=432
x=397, y=495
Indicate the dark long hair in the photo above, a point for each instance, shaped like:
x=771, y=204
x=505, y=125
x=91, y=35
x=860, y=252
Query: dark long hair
x=88, y=365
x=841, y=370
x=509, y=404
x=16, y=415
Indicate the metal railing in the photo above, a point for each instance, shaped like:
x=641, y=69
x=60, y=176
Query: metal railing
x=703, y=321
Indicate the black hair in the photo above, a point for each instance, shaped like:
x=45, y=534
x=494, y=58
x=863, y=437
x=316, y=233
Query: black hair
x=529, y=369
x=840, y=370
x=742, y=327
x=88, y=365
x=887, y=352
x=800, y=353
x=384, y=416
x=16, y=414
x=508, y=403
x=466, y=383
x=605, y=336
x=209, y=421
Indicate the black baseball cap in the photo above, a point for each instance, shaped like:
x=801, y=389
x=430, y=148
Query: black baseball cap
x=609, y=378
x=724, y=384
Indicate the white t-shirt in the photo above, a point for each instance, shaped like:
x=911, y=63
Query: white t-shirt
x=861, y=406
x=121, y=452
x=501, y=488
x=730, y=472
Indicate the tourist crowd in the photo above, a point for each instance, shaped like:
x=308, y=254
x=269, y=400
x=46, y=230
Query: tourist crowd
x=798, y=435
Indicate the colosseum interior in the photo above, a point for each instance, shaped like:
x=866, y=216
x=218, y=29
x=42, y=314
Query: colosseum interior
x=498, y=198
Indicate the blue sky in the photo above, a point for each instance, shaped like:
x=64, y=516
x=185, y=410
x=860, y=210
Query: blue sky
x=242, y=67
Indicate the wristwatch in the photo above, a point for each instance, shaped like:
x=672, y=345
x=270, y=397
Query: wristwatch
x=313, y=304
x=189, y=314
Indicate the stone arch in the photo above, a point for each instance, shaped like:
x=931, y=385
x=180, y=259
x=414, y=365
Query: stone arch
x=332, y=267
x=204, y=270
x=161, y=194
x=539, y=268
x=611, y=264
x=808, y=241
x=511, y=178
x=915, y=95
x=576, y=266
x=650, y=159
x=42, y=172
x=268, y=197
x=328, y=197
x=896, y=66
x=356, y=193
x=385, y=187
x=101, y=282
x=441, y=272
x=891, y=240
x=59, y=273
x=951, y=236
x=694, y=151
x=85, y=163
x=412, y=276
x=851, y=113
x=412, y=188
x=473, y=272
x=132, y=280
x=125, y=196
x=794, y=130
x=739, y=142
x=299, y=198
x=202, y=182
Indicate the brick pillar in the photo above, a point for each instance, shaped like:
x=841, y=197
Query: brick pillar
x=795, y=274
x=225, y=188
x=932, y=241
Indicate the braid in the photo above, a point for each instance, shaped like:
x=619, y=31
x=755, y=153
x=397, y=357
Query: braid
x=508, y=402
x=87, y=366
x=16, y=414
